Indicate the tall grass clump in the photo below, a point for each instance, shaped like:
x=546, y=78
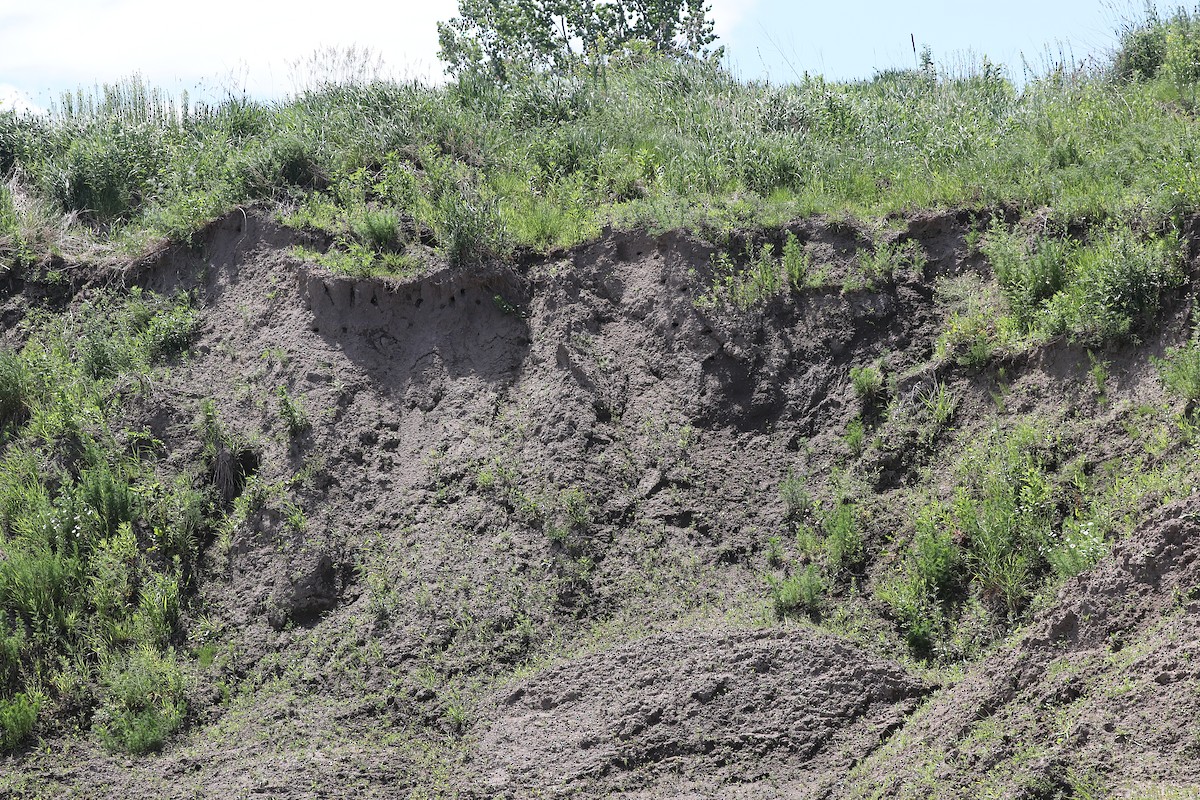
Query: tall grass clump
x=141, y=702
x=798, y=593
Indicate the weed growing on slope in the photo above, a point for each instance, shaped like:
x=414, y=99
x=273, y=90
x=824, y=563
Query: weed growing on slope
x=793, y=490
x=141, y=701
x=800, y=592
x=17, y=716
x=1015, y=522
x=884, y=261
x=939, y=404
x=292, y=413
x=867, y=382
x=855, y=436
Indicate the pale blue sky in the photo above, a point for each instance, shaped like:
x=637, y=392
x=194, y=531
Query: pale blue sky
x=854, y=38
x=57, y=45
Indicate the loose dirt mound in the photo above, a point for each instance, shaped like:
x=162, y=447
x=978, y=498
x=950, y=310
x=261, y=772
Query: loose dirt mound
x=1101, y=689
x=686, y=714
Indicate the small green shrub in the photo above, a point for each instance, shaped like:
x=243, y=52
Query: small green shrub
x=936, y=559
x=1028, y=278
x=743, y=288
x=1094, y=291
x=168, y=331
x=917, y=615
x=17, y=717
x=576, y=507
x=1119, y=279
x=885, y=260
x=1141, y=48
x=159, y=606
x=1077, y=547
x=180, y=517
x=797, y=263
x=802, y=591
x=774, y=551
x=843, y=542
x=855, y=436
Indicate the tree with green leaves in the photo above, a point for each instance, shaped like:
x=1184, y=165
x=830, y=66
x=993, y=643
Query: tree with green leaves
x=503, y=39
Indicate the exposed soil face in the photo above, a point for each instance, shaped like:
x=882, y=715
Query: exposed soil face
x=573, y=469
x=764, y=714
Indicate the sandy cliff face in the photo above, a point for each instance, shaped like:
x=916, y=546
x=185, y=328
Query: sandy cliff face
x=521, y=548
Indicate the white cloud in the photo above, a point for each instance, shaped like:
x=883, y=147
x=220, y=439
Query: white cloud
x=249, y=45
x=13, y=99
x=727, y=15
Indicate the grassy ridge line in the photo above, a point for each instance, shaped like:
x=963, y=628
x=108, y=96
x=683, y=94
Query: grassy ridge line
x=477, y=169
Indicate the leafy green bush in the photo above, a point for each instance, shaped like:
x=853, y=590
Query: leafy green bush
x=843, y=541
x=797, y=263
x=1119, y=279
x=916, y=613
x=885, y=260
x=936, y=558
x=802, y=591
x=746, y=286
x=993, y=545
x=1141, y=48
x=1094, y=291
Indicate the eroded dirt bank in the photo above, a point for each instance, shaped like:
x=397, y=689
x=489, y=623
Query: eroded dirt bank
x=522, y=545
